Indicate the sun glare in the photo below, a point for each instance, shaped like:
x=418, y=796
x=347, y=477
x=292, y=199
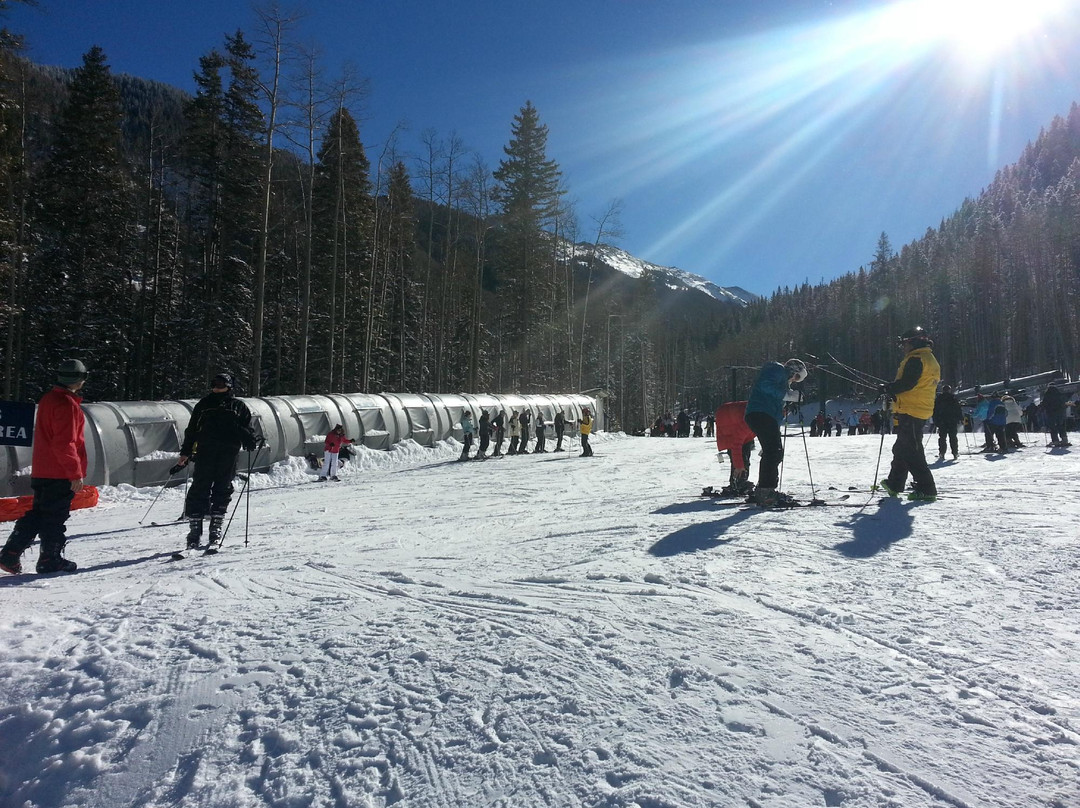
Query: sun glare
x=975, y=29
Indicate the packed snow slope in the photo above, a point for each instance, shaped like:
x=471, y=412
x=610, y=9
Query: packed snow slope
x=548, y=630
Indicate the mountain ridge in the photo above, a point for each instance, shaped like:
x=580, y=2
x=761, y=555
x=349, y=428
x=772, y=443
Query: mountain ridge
x=622, y=261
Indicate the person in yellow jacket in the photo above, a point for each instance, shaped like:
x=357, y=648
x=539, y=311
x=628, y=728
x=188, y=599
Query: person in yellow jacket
x=586, y=430
x=915, y=389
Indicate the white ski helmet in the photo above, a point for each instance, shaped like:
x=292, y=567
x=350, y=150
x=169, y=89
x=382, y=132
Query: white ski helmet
x=797, y=369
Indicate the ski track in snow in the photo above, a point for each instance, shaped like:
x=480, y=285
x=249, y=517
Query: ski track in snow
x=554, y=631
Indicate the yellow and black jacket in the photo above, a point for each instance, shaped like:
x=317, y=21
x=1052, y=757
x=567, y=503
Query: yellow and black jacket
x=916, y=384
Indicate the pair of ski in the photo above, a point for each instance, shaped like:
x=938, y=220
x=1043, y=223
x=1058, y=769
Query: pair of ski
x=742, y=501
x=207, y=550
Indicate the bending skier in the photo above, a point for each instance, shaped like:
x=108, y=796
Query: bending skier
x=764, y=411
x=734, y=436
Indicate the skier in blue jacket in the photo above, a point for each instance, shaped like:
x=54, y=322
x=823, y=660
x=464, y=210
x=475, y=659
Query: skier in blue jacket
x=764, y=411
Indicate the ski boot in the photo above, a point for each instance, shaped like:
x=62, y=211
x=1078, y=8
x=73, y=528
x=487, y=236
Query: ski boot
x=771, y=498
x=217, y=529
x=194, y=535
x=52, y=560
x=335, y=479
x=9, y=561
x=886, y=486
x=922, y=496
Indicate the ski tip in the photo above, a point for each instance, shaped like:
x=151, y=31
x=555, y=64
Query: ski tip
x=210, y=551
x=177, y=557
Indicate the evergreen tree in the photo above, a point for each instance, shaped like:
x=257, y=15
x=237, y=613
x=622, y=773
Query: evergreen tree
x=342, y=221
x=528, y=193
x=81, y=278
x=398, y=296
x=13, y=197
x=225, y=124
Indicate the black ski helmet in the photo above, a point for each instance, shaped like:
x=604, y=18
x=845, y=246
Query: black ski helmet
x=222, y=380
x=917, y=336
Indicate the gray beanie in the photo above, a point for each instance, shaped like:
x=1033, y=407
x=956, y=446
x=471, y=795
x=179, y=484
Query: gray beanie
x=70, y=372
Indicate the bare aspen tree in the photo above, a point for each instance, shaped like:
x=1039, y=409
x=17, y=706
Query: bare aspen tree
x=309, y=107
x=477, y=200
x=387, y=157
x=428, y=164
x=274, y=25
x=444, y=317
x=607, y=226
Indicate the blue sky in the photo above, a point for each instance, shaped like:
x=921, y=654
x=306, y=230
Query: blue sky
x=758, y=143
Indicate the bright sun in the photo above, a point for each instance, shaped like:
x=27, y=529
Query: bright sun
x=977, y=29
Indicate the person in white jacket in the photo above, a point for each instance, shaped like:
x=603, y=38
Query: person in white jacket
x=1013, y=422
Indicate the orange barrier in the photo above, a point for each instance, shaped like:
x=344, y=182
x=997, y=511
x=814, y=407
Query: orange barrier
x=11, y=508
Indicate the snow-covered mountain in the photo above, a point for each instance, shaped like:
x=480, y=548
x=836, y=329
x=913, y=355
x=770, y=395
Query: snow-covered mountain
x=673, y=277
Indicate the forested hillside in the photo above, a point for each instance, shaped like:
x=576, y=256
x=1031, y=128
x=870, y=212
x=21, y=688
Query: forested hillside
x=997, y=283
x=161, y=237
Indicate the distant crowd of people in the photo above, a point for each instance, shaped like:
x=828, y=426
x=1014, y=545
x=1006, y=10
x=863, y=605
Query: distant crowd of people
x=493, y=429
x=685, y=424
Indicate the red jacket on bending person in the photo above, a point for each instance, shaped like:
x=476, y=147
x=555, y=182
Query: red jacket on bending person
x=732, y=433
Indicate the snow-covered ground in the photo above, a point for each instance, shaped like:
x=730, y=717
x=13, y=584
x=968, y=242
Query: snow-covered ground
x=554, y=631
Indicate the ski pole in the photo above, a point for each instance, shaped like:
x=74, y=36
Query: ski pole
x=247, y=506
x=806, y=449
x=881, y=446
x=783, y=451
x=164, y=485
x=247, y=482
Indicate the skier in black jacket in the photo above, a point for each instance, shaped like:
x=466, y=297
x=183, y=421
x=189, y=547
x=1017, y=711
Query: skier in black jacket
x=220, y=426
x=1053, y=406
x=498, y=426
x=947, y=417
x=484, y=428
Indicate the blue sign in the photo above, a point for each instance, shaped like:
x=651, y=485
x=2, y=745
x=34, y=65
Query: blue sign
x=16, y=423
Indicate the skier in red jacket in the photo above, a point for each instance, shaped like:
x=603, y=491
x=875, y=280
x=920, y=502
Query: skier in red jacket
x=331, y=447
x=737, y=439
x=57, y=472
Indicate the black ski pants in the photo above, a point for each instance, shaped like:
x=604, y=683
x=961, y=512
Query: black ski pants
x=46, y=518
x=767, y=430
x=586, y=449
x=212, y=482
x=947, y=435
x=909, y=457
x=558, y=440
x=541, y=441
x=1055, y=425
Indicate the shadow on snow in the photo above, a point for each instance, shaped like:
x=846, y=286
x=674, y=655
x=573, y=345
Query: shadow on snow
x=875, y=532
x=695, y=538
